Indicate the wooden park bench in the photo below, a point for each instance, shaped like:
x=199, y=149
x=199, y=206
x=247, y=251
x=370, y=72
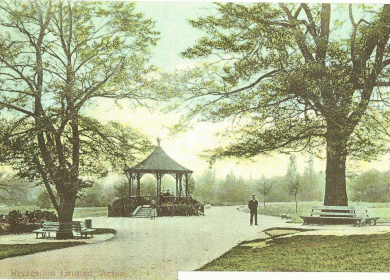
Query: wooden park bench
x=338, y=215
x=81, y=229
x=285, y=216
x=47, y=228
x=77, y=227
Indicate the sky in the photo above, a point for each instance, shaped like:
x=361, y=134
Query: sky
x=177, y=35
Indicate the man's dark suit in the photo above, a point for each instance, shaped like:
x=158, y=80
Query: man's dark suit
x=252, y=204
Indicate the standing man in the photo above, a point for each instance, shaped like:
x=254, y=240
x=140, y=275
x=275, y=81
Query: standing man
x=252, y=205
x=153, y=213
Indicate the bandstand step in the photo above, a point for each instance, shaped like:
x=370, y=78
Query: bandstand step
x=143, y=212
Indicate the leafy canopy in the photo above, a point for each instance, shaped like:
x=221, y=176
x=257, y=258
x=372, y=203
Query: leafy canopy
x=58, y=59
x=292, y=77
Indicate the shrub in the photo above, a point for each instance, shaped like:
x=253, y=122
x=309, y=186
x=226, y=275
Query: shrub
x=16, y=222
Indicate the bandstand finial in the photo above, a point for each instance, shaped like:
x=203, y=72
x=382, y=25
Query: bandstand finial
x=158, y=141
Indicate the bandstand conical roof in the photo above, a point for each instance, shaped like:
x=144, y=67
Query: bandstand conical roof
x=159, y=161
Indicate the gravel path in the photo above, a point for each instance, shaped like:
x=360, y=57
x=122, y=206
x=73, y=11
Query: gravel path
x=145, y=249
x=158, y=249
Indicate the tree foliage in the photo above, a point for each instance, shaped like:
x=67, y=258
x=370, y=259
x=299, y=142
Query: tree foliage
x=148, y=186
x=232, y=190
x=294, y=77
x=191, y=185
x=371, y=186
x=43, y=200
x=204, y=186
x=13, y=189
x=57, y=59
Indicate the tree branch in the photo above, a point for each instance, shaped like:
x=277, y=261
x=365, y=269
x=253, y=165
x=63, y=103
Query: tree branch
x=46, y=183
x=298, y=35
x=322, y=45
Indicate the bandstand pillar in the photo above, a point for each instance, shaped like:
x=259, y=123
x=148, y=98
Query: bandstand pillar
x=158, y=177
x=180, y=184
x=138, y=192
x=186, y=184
x=177, y=184
x=130, y=182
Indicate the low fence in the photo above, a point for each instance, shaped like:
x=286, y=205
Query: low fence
x=124, y=207
x=169, y=206
x=180, y=210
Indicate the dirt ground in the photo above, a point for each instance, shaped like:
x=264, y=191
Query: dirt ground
x=156, y=249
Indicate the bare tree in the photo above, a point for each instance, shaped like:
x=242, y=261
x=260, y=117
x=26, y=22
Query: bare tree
x=294, y=188
x=264, y=189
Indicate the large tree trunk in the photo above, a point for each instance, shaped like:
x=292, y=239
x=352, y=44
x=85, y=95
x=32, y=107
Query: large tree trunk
x=65, y=216
x=335, y=187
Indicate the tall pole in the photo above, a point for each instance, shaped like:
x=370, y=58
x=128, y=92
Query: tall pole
x=186, y=184
x=130, y=176
x=138, y=193
x=158, y=177
x=180, y=184
x=177, y=184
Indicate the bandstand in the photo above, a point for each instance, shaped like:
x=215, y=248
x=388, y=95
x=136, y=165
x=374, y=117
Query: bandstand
x=159, y=164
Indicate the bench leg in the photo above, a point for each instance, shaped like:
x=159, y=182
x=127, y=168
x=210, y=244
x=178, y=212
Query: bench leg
x=359, y=223
x=43, y=234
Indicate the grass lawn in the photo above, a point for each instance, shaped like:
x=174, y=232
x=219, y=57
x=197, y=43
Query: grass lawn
x=83, y=212
x=14, y=250
x=358, y=253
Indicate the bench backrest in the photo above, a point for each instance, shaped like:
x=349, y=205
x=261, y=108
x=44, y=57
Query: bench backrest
x=79, y=226
x=334, y=208
x=50, y=225
x=75, y=225
x=339, y=211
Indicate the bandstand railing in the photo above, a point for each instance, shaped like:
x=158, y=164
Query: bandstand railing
x=169, y=206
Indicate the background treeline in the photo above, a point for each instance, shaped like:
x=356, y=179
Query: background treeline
x=235, y=190
x=369, y=186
